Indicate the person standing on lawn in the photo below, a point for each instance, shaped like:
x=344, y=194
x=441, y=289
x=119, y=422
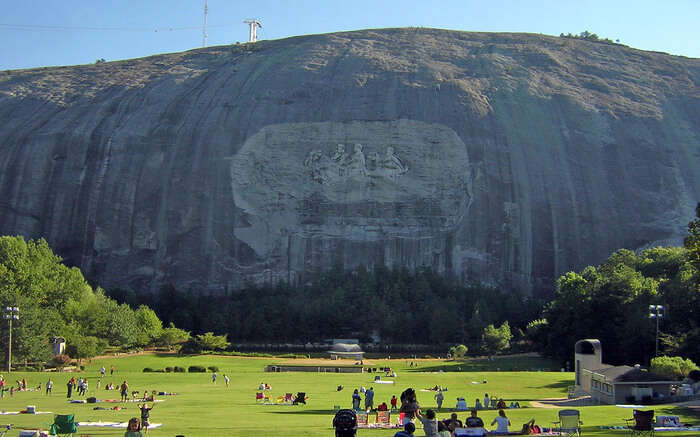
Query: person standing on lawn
x=145, y=415
x=369, y=398
x=124, y=388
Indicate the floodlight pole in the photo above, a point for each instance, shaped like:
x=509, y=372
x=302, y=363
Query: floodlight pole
x=656, y=312
x=11, y=313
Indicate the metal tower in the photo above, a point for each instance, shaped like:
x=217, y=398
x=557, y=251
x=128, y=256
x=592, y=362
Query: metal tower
x=253, y=24
x=204, y=28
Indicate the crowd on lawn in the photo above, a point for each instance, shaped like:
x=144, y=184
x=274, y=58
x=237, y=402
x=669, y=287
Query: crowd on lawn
x=449, y=427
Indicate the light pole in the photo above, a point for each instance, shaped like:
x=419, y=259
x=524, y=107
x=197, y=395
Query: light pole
x=11, y=313
x=656, y=312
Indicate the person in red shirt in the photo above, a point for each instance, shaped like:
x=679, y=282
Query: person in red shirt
x=394, y=401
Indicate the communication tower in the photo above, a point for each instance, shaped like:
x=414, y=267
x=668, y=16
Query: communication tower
x=204, y=28
x=253, y=23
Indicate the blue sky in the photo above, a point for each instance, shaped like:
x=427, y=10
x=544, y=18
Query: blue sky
x=36, y=33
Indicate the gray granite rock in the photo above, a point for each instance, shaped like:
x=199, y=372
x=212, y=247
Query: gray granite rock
x=504, y=158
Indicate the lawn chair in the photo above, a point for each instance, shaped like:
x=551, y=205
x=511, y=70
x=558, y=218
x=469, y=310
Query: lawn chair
x=288, y=398
x=63, y=425
x=362, y=420
x=383, y=419
x=641, y=424
x=569, y=423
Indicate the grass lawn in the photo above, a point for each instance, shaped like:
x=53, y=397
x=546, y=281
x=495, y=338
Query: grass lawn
x=204, y=409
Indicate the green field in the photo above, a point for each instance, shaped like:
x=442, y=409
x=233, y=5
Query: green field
x=203, y=409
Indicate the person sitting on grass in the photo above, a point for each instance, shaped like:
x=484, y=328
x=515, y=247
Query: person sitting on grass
x=133, y=429
x=474, y=421
x=442, y=429
x=502, y=423
x=408, y=429
x=429, y=423
x=530, y=428
x=501, y=404
x=452, y=423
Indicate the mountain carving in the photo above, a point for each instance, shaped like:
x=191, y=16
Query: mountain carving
x=503, y=158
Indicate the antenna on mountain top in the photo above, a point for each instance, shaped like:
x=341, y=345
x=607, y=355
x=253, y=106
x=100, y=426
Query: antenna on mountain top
x=253, y=23
x=204, y=28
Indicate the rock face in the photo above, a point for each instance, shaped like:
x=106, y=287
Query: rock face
x=504, y=158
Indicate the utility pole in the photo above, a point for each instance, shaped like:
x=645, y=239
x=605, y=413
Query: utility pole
x=204, y=28
x=656, y=312
x=11, y=313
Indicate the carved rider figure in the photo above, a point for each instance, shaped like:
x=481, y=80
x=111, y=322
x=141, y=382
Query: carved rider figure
x=357, y=165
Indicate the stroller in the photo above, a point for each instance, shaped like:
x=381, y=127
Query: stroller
x=345, y=423
x=300, y=399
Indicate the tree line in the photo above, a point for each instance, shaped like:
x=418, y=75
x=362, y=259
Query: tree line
x=55, y=300
x=395, y=305
x=609, y=302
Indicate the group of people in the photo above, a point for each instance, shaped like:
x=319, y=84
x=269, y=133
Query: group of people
x=449, y=427
x=369, y=398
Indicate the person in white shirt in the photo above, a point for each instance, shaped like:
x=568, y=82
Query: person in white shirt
x=503, y=423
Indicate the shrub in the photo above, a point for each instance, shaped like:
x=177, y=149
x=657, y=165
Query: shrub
x=196, y=369
x=168, y=369
x=178, y=369
x=147, y=370
x=60, y=361
x=82, y=367
x=159, y=370
x=672, y=367
x=213, y=368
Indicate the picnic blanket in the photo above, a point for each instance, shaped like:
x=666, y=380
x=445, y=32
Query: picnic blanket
x=115, y=424
x=657, y=428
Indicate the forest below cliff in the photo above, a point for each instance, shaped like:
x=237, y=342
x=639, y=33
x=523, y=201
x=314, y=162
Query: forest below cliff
x=609, y=301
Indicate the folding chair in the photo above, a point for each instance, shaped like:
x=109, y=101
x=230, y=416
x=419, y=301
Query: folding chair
x=383, y=419
x=643, y=423
x=288, y=398
x=362, y=420
x=569, y=423
x=63, y=425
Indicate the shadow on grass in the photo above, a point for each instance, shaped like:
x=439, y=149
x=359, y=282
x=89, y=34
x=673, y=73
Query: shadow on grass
x=564, y=383
x=302, y=410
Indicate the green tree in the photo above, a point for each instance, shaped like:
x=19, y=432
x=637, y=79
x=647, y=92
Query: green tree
x=172, y=336
x=497, y=340
x=692, y=243
x=82, y=347
x=209, y=342
x=672, y=367
x=536, y=332
x=149, y=326
x=458, y=351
